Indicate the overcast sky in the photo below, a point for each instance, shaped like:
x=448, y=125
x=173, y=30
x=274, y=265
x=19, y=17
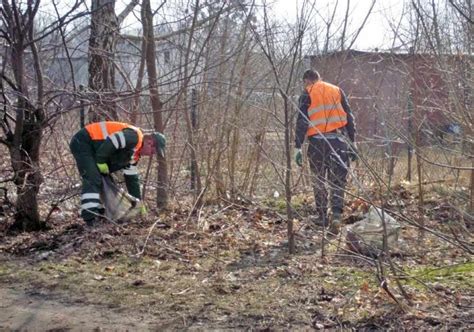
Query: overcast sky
x=375, y=34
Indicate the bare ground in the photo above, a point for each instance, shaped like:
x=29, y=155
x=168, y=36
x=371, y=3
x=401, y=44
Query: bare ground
x=228, y=268
x=35, y=311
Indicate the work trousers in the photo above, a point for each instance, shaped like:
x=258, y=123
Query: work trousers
x=329, y=163
x=82, y=150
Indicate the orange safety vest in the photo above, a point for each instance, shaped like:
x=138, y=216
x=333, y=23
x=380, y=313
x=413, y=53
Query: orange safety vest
x=325, y=112
x=101, y=130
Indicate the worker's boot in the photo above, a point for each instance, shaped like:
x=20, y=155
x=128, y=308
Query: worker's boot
x=318, y=220
x=94, y=221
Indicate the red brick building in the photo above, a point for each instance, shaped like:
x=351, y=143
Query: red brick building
x=380, y=87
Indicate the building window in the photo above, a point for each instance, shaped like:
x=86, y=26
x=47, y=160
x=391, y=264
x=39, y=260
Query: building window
x=167, y=56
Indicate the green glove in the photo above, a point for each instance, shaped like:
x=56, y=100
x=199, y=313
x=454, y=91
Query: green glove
x=103, y=168
x=142, y=208
x=299, y=157
x=160, y=141
x=353, y=153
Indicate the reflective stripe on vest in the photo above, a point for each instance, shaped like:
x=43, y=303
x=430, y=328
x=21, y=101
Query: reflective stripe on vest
x=325, y=111
x=321, y=108
x=103, y=129
x=110, y=129
x=327, y=121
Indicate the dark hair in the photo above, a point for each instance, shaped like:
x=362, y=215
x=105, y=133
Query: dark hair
x=311, y=75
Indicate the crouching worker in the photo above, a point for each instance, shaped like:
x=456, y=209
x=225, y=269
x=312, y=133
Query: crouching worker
x=106, y=147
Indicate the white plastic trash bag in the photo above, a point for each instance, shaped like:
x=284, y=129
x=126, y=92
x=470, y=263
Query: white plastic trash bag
x=366, y=236
x=119, y=205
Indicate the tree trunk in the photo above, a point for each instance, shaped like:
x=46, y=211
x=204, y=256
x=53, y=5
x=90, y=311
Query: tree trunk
x=222, y=127
x=135, y=119
x=289, y=208
x=471, y=203
x=410, y=136
x=238, y=106
x=189, y=126
x=195, y=176
x=24, y=144
x=102, y=42
x=25, y=162
x=156, y=104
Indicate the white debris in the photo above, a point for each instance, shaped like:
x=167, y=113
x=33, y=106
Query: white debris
x=367, y=235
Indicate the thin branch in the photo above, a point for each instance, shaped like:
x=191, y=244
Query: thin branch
x=60, y=22
x=9, y=81
x=363, y=24
x=185, y=29
x=461, y=12
x=66, y=49
x=38, y=69
x=130, y=7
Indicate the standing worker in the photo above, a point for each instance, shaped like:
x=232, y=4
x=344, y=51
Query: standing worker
x=327, y=120
x=106, y=147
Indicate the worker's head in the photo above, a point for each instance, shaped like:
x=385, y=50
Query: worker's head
x=153, y=142
x=310, y=77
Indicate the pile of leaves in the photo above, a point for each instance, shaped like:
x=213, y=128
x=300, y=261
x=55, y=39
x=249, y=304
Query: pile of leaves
x=226, y=266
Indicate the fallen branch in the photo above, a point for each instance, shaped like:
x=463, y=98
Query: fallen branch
x=139, y=254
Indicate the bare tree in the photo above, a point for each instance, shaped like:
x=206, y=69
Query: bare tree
x=25, y=98
x=156, y=104
x=24, y=140
x=104, y=32
x=284, y=84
